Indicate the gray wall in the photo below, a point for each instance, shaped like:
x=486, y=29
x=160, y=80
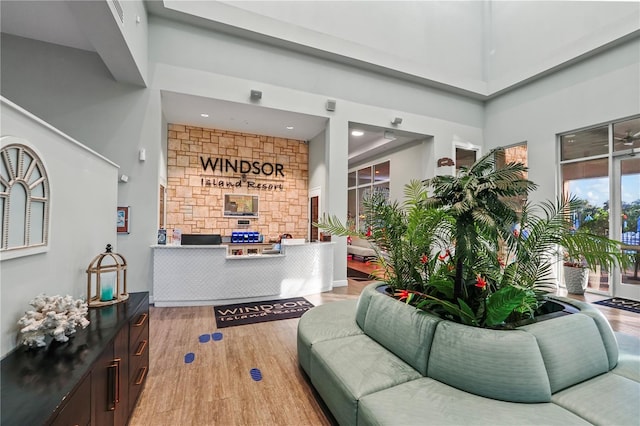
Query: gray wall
x=600, y=89
x=227, y=55
x=72, y=90
x=82, y=221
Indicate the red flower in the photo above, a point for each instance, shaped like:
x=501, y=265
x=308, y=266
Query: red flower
x=424, y=259
x=481, y=282
x=368, y=234
x=501, y=262
x=516, y=232
x=442, y=257
x=403, y=294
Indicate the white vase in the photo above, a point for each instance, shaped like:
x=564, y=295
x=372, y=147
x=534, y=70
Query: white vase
x=576, y=279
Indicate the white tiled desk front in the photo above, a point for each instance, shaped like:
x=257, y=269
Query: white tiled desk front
x=206, y=275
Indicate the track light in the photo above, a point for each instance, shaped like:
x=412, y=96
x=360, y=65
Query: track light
x=396, y=121
x=256, y=95
x=389, y=135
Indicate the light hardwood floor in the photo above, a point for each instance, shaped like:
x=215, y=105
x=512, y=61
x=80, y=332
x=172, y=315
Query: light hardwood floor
x=217, y=388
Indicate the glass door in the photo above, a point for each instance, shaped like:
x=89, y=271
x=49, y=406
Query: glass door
x=626, y=221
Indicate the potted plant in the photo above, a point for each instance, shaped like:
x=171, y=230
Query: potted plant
x=463, y=247
x=576, y=274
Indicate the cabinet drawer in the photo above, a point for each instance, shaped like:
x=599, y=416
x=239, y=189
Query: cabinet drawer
x=136, y=383
x=138, y=324
x=138, y=358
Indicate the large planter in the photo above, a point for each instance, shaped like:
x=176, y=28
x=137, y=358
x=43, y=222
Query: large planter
x=576, y=279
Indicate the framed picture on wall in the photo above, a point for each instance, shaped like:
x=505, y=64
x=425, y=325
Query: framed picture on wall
x=122, y=222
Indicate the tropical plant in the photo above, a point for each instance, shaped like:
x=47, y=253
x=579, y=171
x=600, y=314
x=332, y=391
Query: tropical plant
x=471, y=251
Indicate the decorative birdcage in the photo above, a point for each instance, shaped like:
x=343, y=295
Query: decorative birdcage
x=107, y=279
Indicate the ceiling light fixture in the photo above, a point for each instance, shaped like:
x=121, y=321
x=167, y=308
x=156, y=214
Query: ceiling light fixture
x=396, y=121
x=389, y=135
x=289, y=127
x=357, y=133
x=204, y=115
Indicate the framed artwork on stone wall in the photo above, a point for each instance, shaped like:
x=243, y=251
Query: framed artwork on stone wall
x=122, y=222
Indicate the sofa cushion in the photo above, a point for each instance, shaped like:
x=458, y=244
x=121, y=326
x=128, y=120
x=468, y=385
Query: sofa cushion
x=344, y=370
x=505, y=365
x=429, y=402
x=363, y=302
x=629, y=358
x=402, y=329
x=325, y=322
x=608, y=399
x=606, y=332
x=572, y=349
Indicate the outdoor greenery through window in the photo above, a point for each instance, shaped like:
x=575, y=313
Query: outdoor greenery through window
x=599, y=168
x=362, y=182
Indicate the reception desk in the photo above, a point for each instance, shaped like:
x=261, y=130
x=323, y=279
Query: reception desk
x=207, y=275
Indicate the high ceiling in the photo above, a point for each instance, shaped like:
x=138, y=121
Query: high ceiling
x=54, y=22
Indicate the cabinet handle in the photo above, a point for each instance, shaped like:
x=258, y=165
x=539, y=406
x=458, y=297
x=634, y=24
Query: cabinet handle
x=111, y=386
x=141, y=374
x=141, y=346
x=141, y=320
x=117, y=363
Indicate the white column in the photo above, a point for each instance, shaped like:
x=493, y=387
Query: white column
x=337, y=153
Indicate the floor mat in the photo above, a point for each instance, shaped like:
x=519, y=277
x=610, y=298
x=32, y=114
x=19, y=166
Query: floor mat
x=266, y=310
x=620, y=303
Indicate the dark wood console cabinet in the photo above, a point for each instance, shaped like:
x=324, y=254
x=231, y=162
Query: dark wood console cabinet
x=94, y=379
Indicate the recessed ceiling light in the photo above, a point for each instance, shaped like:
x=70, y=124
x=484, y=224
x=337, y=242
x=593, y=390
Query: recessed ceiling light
x=205, y=115
x=357, y=132
x=289, y=127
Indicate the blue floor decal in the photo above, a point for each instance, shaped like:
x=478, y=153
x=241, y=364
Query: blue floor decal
x=188, y=358
x=217, y=336
x=256, y=374
x=204, y=338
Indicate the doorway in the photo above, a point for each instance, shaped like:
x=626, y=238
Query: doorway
x=626, y=221
x=314, y=213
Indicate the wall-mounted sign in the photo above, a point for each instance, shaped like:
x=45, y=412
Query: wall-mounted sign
x=445, y=161
x=226, y=165
x=216, y=182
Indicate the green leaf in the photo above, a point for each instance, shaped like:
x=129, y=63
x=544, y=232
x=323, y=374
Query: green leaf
x=503, y=302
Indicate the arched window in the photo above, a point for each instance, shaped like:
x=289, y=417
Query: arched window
x=24, y=199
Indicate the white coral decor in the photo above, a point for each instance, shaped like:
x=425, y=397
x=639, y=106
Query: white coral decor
x=55, y=316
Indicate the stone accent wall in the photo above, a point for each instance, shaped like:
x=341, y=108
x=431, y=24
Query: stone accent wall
x=196, y=208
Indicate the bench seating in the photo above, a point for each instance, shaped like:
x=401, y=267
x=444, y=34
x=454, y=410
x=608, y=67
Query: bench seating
x=377, y=361
x=361, y=248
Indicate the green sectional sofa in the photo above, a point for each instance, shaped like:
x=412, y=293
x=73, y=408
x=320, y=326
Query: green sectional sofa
x=377, y=361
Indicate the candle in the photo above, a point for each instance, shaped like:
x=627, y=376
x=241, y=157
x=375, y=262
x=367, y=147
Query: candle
x=107, y=294
x=107, y=283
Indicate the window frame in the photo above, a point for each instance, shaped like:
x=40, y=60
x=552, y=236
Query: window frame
x=370, y=186
x=18, y=178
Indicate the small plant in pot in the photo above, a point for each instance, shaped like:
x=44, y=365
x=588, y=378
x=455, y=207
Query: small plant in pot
x=576, y=274
x=463, y=247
